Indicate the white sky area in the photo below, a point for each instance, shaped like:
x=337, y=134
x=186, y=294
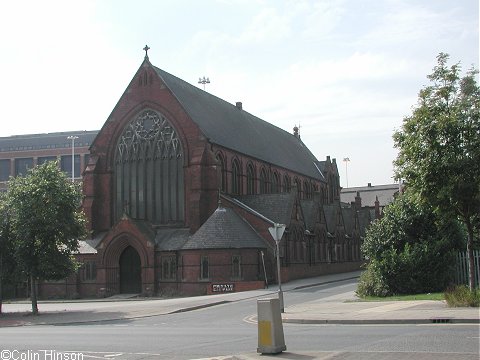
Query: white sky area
x=347, y=71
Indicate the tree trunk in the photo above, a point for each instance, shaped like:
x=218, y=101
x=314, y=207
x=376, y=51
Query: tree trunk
x=471, y=259
x=33, y=294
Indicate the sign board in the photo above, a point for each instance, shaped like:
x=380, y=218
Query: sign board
x=223, y=287
x=277, y=231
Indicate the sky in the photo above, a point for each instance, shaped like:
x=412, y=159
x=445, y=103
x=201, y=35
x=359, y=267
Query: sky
x=346, y=71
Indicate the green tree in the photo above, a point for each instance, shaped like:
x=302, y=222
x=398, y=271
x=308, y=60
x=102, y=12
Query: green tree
x=439, y=148
x=47, y=223
x=7, y=262
x=410, y=250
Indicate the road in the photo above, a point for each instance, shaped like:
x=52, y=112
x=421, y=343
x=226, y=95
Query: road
x=231, y=329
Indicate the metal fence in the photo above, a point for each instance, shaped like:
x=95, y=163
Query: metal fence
x=462, y=267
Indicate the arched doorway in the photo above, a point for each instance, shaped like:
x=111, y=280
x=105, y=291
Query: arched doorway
x=130, y=272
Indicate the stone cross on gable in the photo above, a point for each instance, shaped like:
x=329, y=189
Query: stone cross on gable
x=146, y=48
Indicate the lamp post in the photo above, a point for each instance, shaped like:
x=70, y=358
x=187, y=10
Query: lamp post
x=277, y=232
x=204, y=81
x=346, y=160
x=73, y=137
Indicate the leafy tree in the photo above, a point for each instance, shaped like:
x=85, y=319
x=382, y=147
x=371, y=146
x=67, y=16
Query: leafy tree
x=410, y=250
x=439, y=148
x=46, y=223
x=7, y=262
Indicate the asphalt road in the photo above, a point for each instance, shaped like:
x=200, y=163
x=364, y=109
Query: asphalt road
x=231, y=329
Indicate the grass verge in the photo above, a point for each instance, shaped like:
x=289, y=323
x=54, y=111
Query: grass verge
x=429, y=296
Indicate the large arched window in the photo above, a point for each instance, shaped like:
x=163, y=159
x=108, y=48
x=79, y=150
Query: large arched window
x=223, y=175
x=275, y=183
x=250, y=180
x=236, y=177
x=263, y=181
x=149, y=171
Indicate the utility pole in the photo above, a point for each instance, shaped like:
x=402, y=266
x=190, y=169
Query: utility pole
x=346, y=160
x=73, y=137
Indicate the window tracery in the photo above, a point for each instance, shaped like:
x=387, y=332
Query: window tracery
x=149, y=170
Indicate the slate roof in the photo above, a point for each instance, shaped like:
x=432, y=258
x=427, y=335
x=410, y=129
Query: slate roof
x=171, y=239
x=224, y=229
x=368, y=194
x=364, y=220
x=276, y=207
x=226, y=125
x=331, y=217
x=348, y=219
x=145, y=228
x=308, y=209
x=56, y=140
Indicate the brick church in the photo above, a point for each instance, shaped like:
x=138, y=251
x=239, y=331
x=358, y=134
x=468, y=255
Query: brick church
x=180, y=190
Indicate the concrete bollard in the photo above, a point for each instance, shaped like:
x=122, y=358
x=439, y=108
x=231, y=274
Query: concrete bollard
x=270, y=327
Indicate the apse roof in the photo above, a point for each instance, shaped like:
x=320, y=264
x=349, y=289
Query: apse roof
x=232, y=127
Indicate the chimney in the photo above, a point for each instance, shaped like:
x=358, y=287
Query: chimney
x=295, y=132
x=369, y=184
x=239, y=106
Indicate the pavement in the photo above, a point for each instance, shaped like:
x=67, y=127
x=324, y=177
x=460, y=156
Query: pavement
x=338, y=309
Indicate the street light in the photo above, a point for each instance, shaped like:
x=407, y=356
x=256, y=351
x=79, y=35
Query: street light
x=73, y=137
x=346, y=160
x=277, y=232
x=204, y=81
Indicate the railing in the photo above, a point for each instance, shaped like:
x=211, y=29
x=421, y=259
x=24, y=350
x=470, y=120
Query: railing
x=462, y=268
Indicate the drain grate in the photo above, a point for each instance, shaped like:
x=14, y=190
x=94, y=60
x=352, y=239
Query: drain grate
x=441, y=321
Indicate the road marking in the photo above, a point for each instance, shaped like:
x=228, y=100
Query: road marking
x=251, y=319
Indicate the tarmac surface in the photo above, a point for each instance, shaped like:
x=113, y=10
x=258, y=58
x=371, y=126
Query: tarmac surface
x=332, y=310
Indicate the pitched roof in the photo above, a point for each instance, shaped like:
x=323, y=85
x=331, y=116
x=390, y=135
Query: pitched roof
x=231, y=127
x=331, y=213
x=224, y=229
x=276, y=207
x=308, y=209
x=364, y=220
x=171, y=239
x=348, y=219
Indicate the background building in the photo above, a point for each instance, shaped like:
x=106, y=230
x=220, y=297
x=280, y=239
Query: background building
x=22, y=152
x=372, y=197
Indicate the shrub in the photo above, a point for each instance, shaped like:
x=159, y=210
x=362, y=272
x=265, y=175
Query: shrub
x=410, y=251
x=462, y=296
x=368, y=284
